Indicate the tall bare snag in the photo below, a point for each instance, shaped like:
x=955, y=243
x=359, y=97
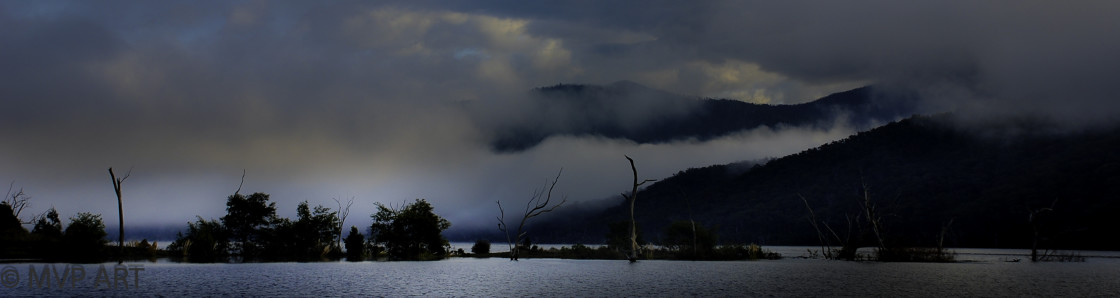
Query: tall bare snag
x=120, y=208
x=633, y=255
x=537, y=205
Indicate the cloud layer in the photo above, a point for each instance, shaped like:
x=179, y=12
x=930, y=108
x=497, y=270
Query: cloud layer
x=364, y=99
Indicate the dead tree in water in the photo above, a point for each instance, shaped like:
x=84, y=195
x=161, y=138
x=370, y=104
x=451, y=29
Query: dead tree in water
x=848, y=246
x=872, y=216
x=120, y=209
x=941, y=237
x=537, y=205
x=341, y=215
x=826, y=249
x=1032, y=219
x=633, y=256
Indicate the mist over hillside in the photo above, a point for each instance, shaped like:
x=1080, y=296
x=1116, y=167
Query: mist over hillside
x=629, y=111
x=921, y=173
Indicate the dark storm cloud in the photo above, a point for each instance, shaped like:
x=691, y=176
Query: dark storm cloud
x=364, y=99
x=1039, y=57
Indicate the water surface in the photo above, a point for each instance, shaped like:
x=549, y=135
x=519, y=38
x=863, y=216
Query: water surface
x=1098, y=276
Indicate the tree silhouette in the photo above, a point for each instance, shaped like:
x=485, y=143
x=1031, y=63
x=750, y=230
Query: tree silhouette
x=12, y=233
x=341, y=214
x=689, y=240
x=355, y=245
x=412, y=233
x=247, y=221
x=17, y=201
x=315, y=230
x=85, y=236
x=120, y=209
x=538, y=204
x=481, y=247
x=47, y=233
x=633, y=197
x=205, y=241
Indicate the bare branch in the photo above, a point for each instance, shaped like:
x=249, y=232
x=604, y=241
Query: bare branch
x=502, y=227
x=341, y=214
x=825, y=248
x=18, y=201
x=238, y=191
x=539, y=203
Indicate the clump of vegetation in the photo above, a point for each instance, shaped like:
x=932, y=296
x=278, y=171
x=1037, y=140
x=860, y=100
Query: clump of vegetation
x=914, y=254
x=580, y=251
x=251, y=231
x=1060, y=256
x=687, y=240
x=355, y=245
x=84, y=238
x=481, y=248
x=869, y=224
x=577, y=251
x=412, y=233
x=205, y=241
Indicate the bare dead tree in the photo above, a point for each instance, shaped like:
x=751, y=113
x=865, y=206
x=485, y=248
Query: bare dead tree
x=18, y=201
x=238, y=191
x=848, y=247
x=1032, y=219
x=941, y=237
x=120, y=209
x=538, y=204
x=872, y=217
x=633, y=256
x=341, y=214
x=826, y=249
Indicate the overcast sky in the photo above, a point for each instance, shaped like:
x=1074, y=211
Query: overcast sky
x=336, y=99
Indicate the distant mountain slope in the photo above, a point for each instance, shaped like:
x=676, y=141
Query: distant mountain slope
x=920, y=172
x=627, y=110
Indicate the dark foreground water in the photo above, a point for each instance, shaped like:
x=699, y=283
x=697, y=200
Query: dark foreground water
x=990, y=276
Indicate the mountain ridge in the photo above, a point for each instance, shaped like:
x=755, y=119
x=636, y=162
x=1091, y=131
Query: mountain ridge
x=922, y=173
x=628, y=110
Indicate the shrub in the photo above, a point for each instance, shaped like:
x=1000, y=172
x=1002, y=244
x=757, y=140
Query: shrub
x=481, y=247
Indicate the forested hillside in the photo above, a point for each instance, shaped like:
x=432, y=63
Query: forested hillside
x=921, y=174
x=626, y=110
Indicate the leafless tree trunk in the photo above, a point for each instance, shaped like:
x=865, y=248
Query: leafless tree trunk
x=537, y=205
x=872, y=217
x=941, y=238
x=238, y=191
x=826, y=249
x=1034, y=228
x=633, y=197
x=120, y=209
x=342, y=213
x=18, y=201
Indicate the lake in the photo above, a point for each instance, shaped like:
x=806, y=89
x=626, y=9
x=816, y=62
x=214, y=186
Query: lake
x=985, y=273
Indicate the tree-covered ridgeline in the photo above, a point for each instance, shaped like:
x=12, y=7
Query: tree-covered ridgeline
x=934, y=180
